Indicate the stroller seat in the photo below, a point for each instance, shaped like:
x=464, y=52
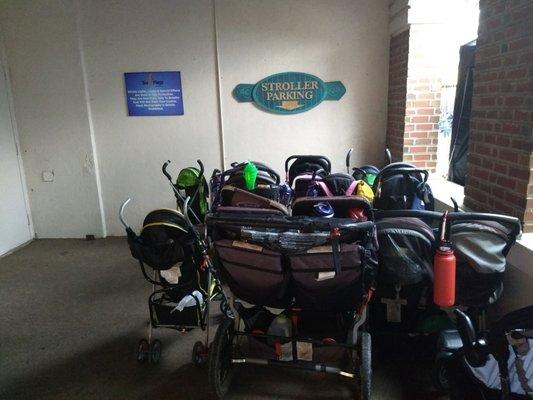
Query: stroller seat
x=342, y=206
x=166, y=243
x=300, y=170
x=235, y=199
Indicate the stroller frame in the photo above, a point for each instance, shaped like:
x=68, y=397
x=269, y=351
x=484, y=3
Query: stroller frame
x=151, y=349
x=222, y=358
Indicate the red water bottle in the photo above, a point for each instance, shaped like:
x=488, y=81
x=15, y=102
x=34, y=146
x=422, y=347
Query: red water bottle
x=444, y=270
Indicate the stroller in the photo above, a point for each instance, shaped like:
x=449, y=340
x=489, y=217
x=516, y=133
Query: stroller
x=407, y=248
x=266, y=182
x=182, y=284
x=397, y=186
x=335, y=195
x=403, y=302
x=366, y=172
x=401, y=186
x=298, y=285
x=300, y=170
x=190, y=183
x=496, y=364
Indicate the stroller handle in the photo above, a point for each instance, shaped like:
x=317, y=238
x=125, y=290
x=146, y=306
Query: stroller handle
x=260, y=166
x=186, y=210
x=388, y=156
x=164, y=169
x=201, y=164
x=348, y=156
x=308, y=157
x=403, y=170
x=307, y=224
x=121, y=213
x=512, y=222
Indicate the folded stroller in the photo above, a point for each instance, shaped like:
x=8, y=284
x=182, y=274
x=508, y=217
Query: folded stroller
x=496, y=364
x=171, y=245
x=299, y=289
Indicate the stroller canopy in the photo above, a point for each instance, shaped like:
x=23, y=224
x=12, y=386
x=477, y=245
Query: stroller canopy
x=160, y=244
x=406, y=249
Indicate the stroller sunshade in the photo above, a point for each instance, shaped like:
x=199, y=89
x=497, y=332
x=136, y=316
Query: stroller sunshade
x=160, y=244
x=480, y=249
x=406, y=247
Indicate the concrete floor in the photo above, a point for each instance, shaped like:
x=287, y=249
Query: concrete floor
x=73, y=312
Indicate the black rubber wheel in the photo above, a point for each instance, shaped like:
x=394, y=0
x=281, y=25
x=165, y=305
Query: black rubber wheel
x=225, y=309
x=440, y=374
x=365, y=370
x=155, y=352
x=220, y=354
x=143, y=349
x=199, y=354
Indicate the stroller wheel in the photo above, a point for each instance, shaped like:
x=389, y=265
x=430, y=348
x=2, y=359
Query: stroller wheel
x=440, y=373
x=365, y=369
x=221, y=352
x=143, y=349
x=225, y=309
x=199, y=354
x=155, y=352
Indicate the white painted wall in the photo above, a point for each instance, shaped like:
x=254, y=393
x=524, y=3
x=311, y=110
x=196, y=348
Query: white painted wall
x=13, y=206
x=42, y=53
x=136, y=35
x=67, y=59
x=342, y=40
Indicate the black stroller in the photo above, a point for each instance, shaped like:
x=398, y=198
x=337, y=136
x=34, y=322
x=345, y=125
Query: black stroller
x=300, y=170
x=495, y=364
x=396, y=186
x=404, y=298
x=299, y=288
x=173, y=247
x=407, y=247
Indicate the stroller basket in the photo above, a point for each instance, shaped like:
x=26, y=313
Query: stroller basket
x=163, y=312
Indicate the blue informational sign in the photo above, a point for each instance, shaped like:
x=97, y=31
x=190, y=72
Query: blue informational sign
x=154, y=93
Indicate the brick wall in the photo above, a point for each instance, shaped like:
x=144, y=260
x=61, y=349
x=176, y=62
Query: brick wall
x=499, y=177
x=413, y=100
x=398, y=58
x=422, y=122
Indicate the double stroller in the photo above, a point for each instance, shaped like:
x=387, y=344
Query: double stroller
x=297, y=283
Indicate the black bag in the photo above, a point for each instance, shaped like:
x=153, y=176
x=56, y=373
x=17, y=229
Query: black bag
x=254, y=273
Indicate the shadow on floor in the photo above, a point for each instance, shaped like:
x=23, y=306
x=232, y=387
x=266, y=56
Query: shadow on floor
x=73, y=312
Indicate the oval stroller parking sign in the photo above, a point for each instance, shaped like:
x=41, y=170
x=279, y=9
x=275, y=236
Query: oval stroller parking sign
x=289, y=92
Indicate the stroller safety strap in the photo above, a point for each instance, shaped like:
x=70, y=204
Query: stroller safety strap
x=325, y=188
